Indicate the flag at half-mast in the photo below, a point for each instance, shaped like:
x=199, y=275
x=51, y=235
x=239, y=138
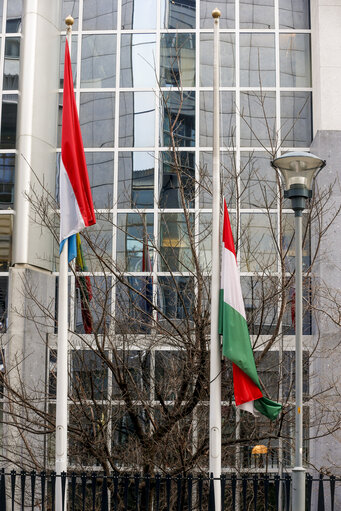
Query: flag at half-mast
x=76, y=206
x=236, y=339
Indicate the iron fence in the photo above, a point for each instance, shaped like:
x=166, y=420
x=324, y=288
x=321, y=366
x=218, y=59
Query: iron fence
x=134, y=492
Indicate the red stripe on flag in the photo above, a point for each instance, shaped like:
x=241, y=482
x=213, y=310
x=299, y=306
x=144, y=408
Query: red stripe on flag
x=244, y=388
x=227, y=232
x=72, y=147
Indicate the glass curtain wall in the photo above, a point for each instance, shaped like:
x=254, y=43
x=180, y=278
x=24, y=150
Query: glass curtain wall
x=143, y=78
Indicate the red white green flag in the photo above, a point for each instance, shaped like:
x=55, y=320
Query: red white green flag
x=236, y=338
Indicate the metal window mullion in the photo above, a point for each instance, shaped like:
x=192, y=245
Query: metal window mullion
x=238, y=121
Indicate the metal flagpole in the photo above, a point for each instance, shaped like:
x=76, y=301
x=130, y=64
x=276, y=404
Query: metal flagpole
x=215, y=358
x=62, y=354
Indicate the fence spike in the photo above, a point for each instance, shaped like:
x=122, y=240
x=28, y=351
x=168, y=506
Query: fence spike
x=320, y=500
x=3, y=490
x=42, y=487
x=63, y=484
x=200, y=485
x=287, y=491
x=277, y=484
x=104, y=503
x=33, y=487
x=157, y=491
x=309, y=485
x=332, y=492
x=83, y=482
x=53, y=490
x=211, y=501
x=234, y=490
x=168, y=490
x=222, y=487
x=137, y=485
x=244, y=488
x=255, y=491
x=147, y=492
x=93, y=490
x=189, y=490
x=23, y=483
x=178, y=493
x=13, y=477
x=266, y=492
x=73, y=490
x=115, y=499
x=126, y=486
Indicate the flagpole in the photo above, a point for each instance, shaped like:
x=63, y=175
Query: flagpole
x=62, y=355
x=215, y=358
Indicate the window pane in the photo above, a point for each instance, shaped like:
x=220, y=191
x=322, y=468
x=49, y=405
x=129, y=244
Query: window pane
x=9, y=121
x=257, y=60
x=176, y=299
x=258, y=248
x=100, y=236
x=99, y=15
x=294, y=14
x=288, y=242
x=227, y=60
x=69, y=7
x=175, y=250
x=7, y=168
x=89, y=427
x=6, y=229
x=101, y=176
x=134, y=305
x=137, y=119
x=169, y=373
x=258, y=187
x=135, y=241
x=138, y=14
x=11, y=64
x=177, y=179
x=251, y=429
x=52, y=374
x=89, y=375
x=289, y=375
x=227, y=118
x=289, y=437
x=258, y=119
x=131, y=374
x=289, y=317
x=227, y=9
x=92, y=309
x=178, y=119
x=177, y=60
x=269, y=372
x=257, y=14
x=74, y=50
x=261, y=301
x=177, y=13
x=138, y=60
x=228, y=178
x=96, y=114
x=14, y=11
x=3, y=303
x=295, y=60
x=136, y=180
x=98, y=61
x=296, y=117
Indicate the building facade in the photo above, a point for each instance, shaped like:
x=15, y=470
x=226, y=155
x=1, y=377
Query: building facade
x=143, y=76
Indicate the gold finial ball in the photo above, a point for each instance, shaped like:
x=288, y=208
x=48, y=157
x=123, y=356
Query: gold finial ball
x=216, y=13
x=69, y=20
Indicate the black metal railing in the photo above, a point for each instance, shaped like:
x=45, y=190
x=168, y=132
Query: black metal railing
x=97, y=492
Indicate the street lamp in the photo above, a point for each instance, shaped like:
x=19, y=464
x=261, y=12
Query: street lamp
x=298, y=171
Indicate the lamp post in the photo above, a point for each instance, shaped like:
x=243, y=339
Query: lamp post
x=298, y=171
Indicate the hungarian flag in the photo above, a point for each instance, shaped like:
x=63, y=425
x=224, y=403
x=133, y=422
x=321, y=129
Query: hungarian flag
x=76, y=207
x=236, y=339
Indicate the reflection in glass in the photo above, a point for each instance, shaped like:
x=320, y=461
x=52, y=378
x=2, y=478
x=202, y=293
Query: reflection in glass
x=256, y=14
x=69, y=7
x=260, y=296
x=177, y=177
x=98, y=61
x=289, y=371
x=96, y=114
x=101, y=174
x=138, y=60
x=258, y=187
x=177, y=14
x=176, y=298
x=227, y=9
x=258, y=118
x=227, y=118
x=228, y=178
x=133, y=369
x=134, y=305
x=288, y=242
x=170, y=367
x=296, y=118
x=14, y=11
x=99, y=15
x=6, y=228
x=100, y=236
x=135, y=241
x=257, y=60
x=177, y=60
x=92, y=308
x=258, y=247
x=11, y=64
x=3, y=302
x=9, y=121
x=136, y=180
x=138, y=14
x=294, y=14
x=178, y=123
x=74, y=51
x=175, y=248
x=295, y=60
x=89, y=374
x=137, y=119
x=7, y=166
x=227, y=60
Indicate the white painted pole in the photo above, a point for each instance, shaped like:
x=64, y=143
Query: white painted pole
x=62, y=357
x=215, y=358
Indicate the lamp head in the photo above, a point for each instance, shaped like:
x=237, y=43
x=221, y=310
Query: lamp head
x=298, y=170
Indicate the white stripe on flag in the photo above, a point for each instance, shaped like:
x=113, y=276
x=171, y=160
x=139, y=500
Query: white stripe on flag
x=230, y=282
x=71, y=220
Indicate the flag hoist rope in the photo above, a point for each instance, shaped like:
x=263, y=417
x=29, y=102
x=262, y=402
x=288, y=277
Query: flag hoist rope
x=215, y=351
x=62, y=353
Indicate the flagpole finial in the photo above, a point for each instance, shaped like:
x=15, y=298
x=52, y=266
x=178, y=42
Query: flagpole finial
x=69, y=21
x=216, y=13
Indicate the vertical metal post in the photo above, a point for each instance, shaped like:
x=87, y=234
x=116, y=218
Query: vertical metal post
x=298, y=473
x=215, y=352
